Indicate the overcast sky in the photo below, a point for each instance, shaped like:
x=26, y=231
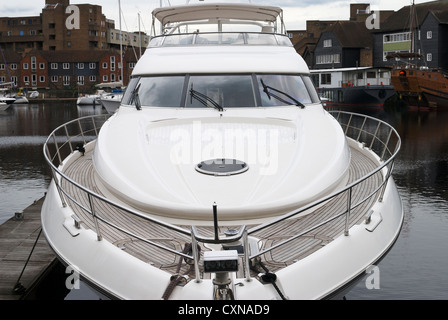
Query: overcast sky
x=296, y=12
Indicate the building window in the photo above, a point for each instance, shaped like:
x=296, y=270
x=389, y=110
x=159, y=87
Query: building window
x=80, y=65
x=34, y=80
x=328, y=58
x=397, y=37
x=327, y=43
x=54, y=66
x=105, y=78
x=104, y=65
x=66, y=80
x=33, y=63
x=325, y=78
x=66, y=66
x=429, y=35
x=25, y=66
x=26, y=80
x=41, y=66
x=92, y=65
x=112, y=63
x=80, y=80
x=54, y=78
x=42, y=79
x=92, y=78
x=2, y=66
x=69, y=44
x=131, y=65
x=112, y=77
x=429, y=57
x=13, y=66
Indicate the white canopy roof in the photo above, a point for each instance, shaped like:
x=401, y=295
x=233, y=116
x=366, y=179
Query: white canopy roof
x=218, y=10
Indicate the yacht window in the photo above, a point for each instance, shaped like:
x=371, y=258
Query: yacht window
x=288, y=88
x=228, y=91
x=161, y=91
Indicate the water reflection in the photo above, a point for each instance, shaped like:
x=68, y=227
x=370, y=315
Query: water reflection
x=24, y=175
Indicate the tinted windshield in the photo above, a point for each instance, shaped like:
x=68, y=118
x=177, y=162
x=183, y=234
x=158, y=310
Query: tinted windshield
x=226, y=91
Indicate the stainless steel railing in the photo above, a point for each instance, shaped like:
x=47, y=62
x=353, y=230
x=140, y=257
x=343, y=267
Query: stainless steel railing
x=373, y=133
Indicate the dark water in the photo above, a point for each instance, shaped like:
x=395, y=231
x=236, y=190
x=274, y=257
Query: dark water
x=415, y=268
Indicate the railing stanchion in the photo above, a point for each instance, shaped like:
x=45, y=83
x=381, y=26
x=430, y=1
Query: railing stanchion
x=246, y=256
x=95, y=219
x=194, y=246
x=349, y=209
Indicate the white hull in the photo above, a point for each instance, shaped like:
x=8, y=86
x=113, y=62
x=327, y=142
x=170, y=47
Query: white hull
x=88, y=100
x=21, y=100
x=111, y=104
x=213, y=171
x=318, y=276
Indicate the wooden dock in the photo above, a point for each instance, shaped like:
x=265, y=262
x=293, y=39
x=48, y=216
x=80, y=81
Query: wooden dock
x=18, y=236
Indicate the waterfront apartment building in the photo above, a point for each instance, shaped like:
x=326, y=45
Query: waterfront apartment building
x=52, y=52
x=74, y=71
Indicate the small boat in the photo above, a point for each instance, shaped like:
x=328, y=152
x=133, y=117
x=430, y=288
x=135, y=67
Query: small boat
x=89, y=99
x=111, y=101
x=420, y=86
x=20, y=99
x=221, y=176
x=34, y=94
x=5, y=97
x=361, y=86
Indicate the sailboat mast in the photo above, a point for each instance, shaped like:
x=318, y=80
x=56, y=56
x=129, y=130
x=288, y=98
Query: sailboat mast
x=139, y=37
x=121, y=44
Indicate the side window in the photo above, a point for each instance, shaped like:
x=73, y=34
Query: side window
x=281, y=90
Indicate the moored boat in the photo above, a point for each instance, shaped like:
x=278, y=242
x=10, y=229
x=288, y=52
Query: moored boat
x=357, y=86
x=221, y=176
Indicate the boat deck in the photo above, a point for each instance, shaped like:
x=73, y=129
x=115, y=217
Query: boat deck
x=82, y=171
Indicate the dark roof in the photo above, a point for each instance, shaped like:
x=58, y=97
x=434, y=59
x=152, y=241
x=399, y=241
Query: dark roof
x=73, y=55
x=400, y=20
x=352, y=34
x=10, y=56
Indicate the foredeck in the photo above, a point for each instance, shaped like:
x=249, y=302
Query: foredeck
x=82, y=171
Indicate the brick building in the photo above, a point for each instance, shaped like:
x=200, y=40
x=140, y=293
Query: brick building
x=54, y=51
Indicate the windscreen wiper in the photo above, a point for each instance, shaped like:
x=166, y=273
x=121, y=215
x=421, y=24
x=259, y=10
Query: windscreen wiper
x=202, y=98
x=266, y=89
x=136, y=98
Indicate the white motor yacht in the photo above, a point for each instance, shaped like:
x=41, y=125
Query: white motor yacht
x=221, y=176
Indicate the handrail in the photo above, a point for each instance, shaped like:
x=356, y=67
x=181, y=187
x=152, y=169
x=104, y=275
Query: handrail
x=219, y=38
x=357, y=127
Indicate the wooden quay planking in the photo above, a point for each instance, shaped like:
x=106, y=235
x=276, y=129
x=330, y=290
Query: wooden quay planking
x=18, y=236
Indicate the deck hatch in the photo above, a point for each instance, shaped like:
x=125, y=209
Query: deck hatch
x=222, y=167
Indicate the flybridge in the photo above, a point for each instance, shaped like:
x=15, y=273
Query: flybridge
x=268, y=18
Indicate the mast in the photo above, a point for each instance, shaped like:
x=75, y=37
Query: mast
x=121, y=45
x=139, y=37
